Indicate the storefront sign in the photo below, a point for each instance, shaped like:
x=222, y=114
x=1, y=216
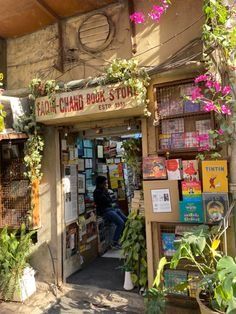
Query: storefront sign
x=84, y=102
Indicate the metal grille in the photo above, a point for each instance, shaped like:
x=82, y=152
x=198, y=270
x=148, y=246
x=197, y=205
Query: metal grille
x=15, y=193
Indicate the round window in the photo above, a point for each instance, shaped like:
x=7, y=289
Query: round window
x=96, y=32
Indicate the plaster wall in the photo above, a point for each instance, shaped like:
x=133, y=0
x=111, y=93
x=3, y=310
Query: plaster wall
x=38, y=54
x=47, y=252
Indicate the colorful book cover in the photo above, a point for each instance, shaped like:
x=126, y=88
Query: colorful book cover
x=215, y=206
x=191, y=189
x=175, y=107
x=177, y=140
x=191, y=211
x=191, y=139
x=172, y=126
x=202, y=126
x=154, y=168
x=168, y=243
x=173, y=278
x=163, y=107
x=165, y=141
x=174, y=169
x=214, y=176
x=190, y=170
x=190, y=106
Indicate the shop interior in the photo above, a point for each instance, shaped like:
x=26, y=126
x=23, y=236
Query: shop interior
x=84, y=156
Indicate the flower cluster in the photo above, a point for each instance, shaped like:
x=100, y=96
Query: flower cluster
x=155, y=14
x=214, y=97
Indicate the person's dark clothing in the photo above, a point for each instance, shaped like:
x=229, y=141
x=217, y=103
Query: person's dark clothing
x=102, y=200
x=109, y=211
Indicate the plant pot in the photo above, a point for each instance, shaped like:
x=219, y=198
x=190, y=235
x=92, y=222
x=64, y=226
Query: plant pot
x=128, y=284
x=203, y=308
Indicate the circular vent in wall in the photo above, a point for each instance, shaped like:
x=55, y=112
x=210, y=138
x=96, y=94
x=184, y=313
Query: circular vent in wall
x=96, y=32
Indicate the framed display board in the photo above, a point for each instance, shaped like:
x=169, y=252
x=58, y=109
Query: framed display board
x=161, y=200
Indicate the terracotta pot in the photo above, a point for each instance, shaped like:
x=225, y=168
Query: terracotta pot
x=203, y=308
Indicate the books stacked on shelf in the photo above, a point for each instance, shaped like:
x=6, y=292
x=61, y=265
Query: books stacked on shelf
x=191, y=139
x=137, y=202
x=203, y=127
x=174, y=169
x=175, y=107
x=173, y=126
x=177, y=140
x=165, y=141
x=154, y=168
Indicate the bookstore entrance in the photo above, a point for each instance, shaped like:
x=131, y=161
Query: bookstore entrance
x=89, y=256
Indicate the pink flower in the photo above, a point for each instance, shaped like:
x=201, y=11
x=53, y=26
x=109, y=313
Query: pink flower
x=165, y=4
x=210, y=106
x=203, y=137
x=220, y=132
x=196, y=93
x=201, y=78
x=217, y=86
x=226, y=90
x=156, y=13
x=203, y=148
x=226, y=110
x=137, y=17
x=209, y=84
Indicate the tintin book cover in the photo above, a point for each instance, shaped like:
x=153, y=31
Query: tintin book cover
x=154, y=168
x=215, y=206
x=214, y=176
x=190, y=170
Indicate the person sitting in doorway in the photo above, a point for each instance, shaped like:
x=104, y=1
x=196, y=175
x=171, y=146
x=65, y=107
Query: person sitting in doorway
x=108, y=208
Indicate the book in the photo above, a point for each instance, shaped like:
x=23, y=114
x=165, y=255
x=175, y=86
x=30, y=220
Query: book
x=215, y=206
x=165, y=141
x=163, y=107
x=191, y=139
x=191, y=189
x=191, y=210
x=190, y=170
x=214, y=176
x=203, y=126
x=172, y=126
x=154, y=168
x=174, y=169
x=175, y=107
x=191, y=106
x=168, y=243
x=172, y=278
x=177, y=140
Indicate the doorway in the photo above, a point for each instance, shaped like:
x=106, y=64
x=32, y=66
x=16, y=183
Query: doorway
x=88, y=256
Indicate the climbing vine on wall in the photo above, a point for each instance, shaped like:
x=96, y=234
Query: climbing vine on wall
x=129, y=73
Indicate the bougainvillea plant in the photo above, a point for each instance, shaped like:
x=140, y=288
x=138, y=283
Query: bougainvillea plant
x=154, y=14
x=214, y=97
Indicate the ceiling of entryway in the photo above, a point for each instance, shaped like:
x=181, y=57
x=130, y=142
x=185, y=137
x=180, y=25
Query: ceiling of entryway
x=20, y=17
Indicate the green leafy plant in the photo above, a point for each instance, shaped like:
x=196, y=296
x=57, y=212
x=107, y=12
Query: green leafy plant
x=33, y=157
x=129, y=73
x=134, y=249
x=132, y=152
x=14, y=250
x=217, y=273
x=39, y=88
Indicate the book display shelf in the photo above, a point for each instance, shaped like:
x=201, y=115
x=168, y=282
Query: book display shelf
x=182, y=122
x=179, y=191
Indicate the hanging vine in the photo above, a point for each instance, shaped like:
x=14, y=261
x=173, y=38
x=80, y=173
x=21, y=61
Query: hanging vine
x=130, y=74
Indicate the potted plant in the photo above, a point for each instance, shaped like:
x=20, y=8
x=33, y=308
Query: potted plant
x=217, y=272
x=134, y=250
x=16, y=276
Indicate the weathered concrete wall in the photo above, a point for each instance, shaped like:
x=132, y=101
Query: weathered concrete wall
x=36, y=54
x=158, y=41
